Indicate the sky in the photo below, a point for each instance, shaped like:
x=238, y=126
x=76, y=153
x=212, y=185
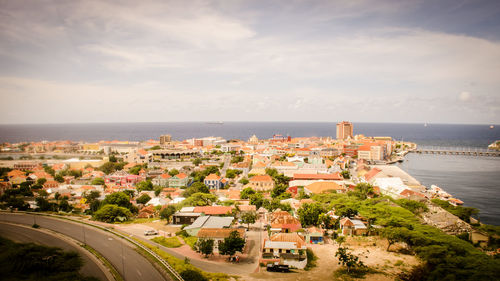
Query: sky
x=159, y=61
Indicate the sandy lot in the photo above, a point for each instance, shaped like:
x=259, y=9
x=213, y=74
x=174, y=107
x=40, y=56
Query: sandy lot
x=371, y=251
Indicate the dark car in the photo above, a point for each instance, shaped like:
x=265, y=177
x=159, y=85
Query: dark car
x=278, y=267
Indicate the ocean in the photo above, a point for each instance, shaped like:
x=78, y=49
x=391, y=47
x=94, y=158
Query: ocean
x=474, y=180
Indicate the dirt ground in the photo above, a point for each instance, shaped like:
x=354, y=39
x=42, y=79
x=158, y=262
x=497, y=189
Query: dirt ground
x=371, y=250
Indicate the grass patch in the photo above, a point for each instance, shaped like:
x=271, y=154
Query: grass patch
x=190, y=240
x=311, y=259
x=172, y=242
x=180, y=265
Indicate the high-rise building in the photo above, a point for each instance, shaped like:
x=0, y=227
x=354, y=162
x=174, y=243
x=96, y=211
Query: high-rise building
x=344, y=130
x=165, y=139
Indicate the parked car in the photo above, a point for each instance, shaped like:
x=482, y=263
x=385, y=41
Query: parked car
x=150, y=232
x=278, y=267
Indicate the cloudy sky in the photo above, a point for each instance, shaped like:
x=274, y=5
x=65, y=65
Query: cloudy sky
x=359, y=60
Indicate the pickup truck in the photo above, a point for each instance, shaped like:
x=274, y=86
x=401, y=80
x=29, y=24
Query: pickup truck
x=278, y=267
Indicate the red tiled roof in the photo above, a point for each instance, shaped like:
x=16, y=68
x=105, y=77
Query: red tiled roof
x=335, y=176
x=213, y=210
x=260, y=178
x=212, y=177
x=373, y=172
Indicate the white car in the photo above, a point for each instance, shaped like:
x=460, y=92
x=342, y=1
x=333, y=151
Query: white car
x=150, y=232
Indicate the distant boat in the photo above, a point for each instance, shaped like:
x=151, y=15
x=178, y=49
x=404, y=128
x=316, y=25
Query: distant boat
x=217, y=122
x=492, y=127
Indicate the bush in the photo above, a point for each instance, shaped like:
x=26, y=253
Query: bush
x=112, y=213
x=192, y=275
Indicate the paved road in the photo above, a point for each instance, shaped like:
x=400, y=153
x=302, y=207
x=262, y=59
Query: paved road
x=133, y=266
x=22, y=234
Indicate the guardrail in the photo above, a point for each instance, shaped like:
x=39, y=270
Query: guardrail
x=173, y=272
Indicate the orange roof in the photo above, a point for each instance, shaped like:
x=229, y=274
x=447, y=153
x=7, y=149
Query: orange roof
x=165, y=176
x=260, y=178
x=335, y=176
x=213, y=210
x=259, y=164
x=218, y=232
x=181, y=176
x=15, y=173
x=212, y=177
x=373, y=172
x=321, y=186
x=289, y=237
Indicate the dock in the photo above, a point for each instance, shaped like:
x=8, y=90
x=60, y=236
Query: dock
x=469, y=151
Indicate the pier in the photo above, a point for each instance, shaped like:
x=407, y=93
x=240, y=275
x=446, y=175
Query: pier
x=469, y=151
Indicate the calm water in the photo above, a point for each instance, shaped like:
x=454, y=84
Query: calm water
x=474, y=180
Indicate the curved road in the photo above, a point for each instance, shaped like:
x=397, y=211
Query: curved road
x=122, y=255
x=23, y=234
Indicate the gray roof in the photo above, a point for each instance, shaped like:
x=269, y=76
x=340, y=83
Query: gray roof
x=211, y=222
x=199, y=222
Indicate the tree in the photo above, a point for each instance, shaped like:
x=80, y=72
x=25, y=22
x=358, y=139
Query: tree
x=205, y=246
x=347, y=259
x=143, y=199
x=59, y=178
x=230, y=174
x=248, y=218
x=145, y=185
x=41, y=181
x=278, y=190
x=244, y=181
x=167, y=212
x=200, y=199
x=340, y=240
x=364, y=190
x=309, y=214
x=232, y=244
x=64, y=205
x=257, y=199
x=246, y=193
x=118, y=198
x=112, y=213
x=394, y=234
x=196, y=187
x=97, y=181
x=135, y=170
x=173, y=172
x=197, y=161
x=345, y=174
x=112, y=158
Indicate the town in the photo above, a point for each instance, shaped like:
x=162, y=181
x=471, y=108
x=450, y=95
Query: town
x=216, y=208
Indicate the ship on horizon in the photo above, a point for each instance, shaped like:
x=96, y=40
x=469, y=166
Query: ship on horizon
x=216, y=122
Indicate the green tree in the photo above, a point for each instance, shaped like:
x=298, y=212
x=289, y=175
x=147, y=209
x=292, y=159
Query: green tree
x=230, y=174
x=64, y=205
x=395, y=234
x=345, y=174
x=173, y=172
x=112, y=213
x=196, y=187
x=232, y=244
x=278, y=190
x=347, y=259
x=200, y=199
x=156, y=147
x=246, y=193
x=244, y=181
x=143, y=199
x=145, y=185
x=364, y=190
x=97, y=181
x=205, y=246
x=257, y=199
x=118, y=198
x=248, y=218
x=167, y=212
x=413, y=206
x=310, y=213
x=197, y=161
x=41, y=181
x=135, y=170
x=59, y=178
x=112, y=158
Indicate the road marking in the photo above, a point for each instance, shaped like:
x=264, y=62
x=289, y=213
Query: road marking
x=138, y=272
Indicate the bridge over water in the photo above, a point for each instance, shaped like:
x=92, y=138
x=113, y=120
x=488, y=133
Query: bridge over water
x=471, y=151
